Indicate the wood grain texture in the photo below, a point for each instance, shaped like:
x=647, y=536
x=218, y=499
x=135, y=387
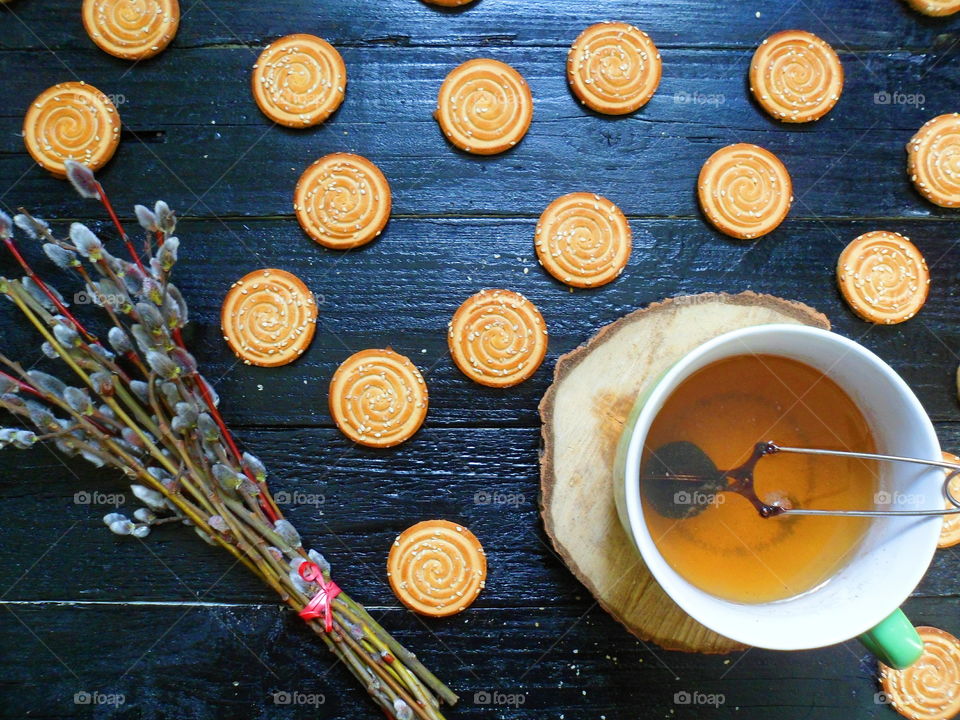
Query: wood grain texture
x=193, y=135
x=201, y=143
x=859, y=24
x=402, y=289
x=348, y=501
x=211, y=665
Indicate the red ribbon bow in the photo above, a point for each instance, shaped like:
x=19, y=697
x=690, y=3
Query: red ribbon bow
x=322, y=603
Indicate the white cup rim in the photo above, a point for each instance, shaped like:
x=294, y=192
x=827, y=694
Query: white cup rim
x=855, y=622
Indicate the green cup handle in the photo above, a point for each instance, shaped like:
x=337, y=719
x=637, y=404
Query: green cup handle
x=894, y=641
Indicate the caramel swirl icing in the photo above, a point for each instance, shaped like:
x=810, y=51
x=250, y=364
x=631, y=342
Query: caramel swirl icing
x=583, y=240
x=378, y=398
x=299, y=80
x=71, y=121
x=268, y=317
x=484, y=106
x=745, y=191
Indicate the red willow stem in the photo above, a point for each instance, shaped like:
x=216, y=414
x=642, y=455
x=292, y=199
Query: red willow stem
x=46, y=291
x=53, y=298
x=202, y=385
x=224, y=430
x=116, y=221
x=178, y=338
x=21, y=384
x=105, y=201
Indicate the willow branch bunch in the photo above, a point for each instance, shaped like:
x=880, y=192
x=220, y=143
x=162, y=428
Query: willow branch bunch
x=135, y=401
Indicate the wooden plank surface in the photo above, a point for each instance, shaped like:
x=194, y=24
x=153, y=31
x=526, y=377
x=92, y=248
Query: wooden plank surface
x=218, y=667
x=858, y=24
x=193, y=136
x=402, y=290
x=201, y=143
x=351, y=502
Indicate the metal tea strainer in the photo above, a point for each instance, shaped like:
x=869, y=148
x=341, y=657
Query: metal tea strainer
x=682, y=470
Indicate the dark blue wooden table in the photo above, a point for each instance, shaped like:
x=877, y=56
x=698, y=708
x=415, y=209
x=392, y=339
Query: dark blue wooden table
x=169, y=624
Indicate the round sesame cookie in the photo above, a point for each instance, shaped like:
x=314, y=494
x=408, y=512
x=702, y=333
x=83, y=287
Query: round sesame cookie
x=613, y=68
x=795, y=76
x=131, y=29
x=268, y=317
x=71, y=121
x=744, y=191
x=583, y=240
x=883, y=277
x=378, y=398
x=928, y=689
x=342, y=201
x=497, y=338
x=299, y=80
x=935, y=8
x=933, y=160
x=484, y=107
x=437, y=568
x=950, y=532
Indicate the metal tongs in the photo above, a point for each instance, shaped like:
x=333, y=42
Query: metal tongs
x=678, y=465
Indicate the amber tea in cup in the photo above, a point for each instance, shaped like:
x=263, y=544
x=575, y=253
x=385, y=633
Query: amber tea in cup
x=722, y=545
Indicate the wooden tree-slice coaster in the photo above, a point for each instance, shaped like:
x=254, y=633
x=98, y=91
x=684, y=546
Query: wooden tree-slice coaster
x=583, y=412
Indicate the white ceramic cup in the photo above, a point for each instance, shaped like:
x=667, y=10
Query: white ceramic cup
x=893, y=556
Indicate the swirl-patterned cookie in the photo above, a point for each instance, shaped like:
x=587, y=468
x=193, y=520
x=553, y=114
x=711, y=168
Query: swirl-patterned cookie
x=745, y=191
x=950, y=532
x=583, y=240
x=299, y=80
x=795, y=76
x=378, y=398
x=883, y=277
x=71, y=121
x=613, y=68
x=131, y=29
x=935, y=8
x=342, y=201
x=933, y=160
x=928, y=689
x=437, y=568
x=268, y=317
x=484, y=106
x=497, y=338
